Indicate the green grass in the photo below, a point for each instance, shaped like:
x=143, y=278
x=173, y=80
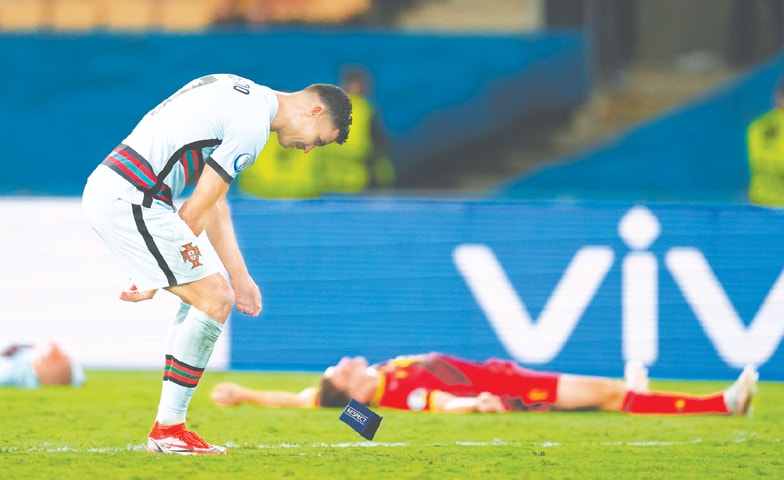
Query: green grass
x=99, y=431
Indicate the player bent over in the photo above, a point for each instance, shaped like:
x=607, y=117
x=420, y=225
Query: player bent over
x=441, y=383
x=203, y=135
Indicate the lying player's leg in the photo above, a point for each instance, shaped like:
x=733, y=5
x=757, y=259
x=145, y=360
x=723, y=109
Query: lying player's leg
x=595, y=393
x=578, y=392
x=735, y=400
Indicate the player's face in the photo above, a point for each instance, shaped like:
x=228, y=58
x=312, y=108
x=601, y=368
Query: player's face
x=349, y=375
x=312, y=130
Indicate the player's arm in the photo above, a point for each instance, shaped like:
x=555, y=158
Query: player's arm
x=196, y=212
x=220, y=231
x=200, y=207
x=485, y=402
x=232, y=394
x=208, y=211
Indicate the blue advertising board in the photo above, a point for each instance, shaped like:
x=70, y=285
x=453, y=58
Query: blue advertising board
x=693, y=291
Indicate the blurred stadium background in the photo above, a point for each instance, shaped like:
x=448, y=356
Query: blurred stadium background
x=571, y=180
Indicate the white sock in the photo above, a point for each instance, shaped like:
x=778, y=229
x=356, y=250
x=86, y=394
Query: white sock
x=174, y=327
x=191, y=348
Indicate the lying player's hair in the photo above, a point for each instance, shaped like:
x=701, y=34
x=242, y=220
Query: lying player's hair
x=339, y=105
x=330, y=396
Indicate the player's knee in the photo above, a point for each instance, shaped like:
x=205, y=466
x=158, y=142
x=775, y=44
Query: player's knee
x=223, y=301
x=211, y=295
x=615, y=394
x=215, y=298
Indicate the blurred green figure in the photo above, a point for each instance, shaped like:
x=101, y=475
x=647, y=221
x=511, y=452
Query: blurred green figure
x=282, y=173
x=765, y=141
x=360, y=163
x=364, y=162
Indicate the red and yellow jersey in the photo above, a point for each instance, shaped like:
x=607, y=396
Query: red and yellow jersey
x=408, y=382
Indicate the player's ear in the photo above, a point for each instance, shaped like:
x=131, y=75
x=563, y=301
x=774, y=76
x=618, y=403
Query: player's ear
x=315, y=111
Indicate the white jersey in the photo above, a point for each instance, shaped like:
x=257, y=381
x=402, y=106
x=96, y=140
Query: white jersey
x=16, y=366
x=220, y=119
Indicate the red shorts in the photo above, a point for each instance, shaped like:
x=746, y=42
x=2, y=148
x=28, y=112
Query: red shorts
x=534, y=390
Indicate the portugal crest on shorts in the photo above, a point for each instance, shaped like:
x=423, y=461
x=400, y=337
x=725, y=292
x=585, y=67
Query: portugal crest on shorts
x=191, y=253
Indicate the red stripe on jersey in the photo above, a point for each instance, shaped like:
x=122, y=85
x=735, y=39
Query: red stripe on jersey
x=130, y=173
x=186, y=167
x=126, y=155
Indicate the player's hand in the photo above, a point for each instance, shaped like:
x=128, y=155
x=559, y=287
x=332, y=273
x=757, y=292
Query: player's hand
x=486, y=402
x=134, y=295
x=247, y=296
x=227, y=394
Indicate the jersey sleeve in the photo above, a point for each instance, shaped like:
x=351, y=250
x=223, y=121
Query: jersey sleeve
x=242, y=142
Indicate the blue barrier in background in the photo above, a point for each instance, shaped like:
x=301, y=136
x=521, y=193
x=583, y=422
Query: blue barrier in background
x=69, y=99
x=691, y=290
x=695, y=153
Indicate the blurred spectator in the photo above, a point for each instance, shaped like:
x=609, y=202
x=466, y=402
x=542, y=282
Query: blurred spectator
x=30, y=366
x=387, y=13
x=259, y=12
x=613, y=25
x=280, y=172
x=617, y=38
x=229, y=12
x=756, y=30
x=363, y=161
x=765, y=142
x=360, y=163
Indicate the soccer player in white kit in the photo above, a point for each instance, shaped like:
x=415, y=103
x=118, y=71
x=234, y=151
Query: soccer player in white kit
x=203, y=135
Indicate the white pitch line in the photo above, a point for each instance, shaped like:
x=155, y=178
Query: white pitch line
x=494, y=443
x=650, y=444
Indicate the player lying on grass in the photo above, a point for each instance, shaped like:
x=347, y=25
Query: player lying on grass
x=441, y=383
x=33, y=365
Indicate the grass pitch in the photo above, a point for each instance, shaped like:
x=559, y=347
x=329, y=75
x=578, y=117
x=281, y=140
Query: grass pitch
x=100, y=431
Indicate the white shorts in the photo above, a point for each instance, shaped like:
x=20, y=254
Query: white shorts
x=154, y=245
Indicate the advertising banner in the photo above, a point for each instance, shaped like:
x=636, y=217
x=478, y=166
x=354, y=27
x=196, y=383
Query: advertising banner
x=693, y=291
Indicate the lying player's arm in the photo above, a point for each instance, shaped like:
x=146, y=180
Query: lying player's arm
x=232, y=394
x=483, y=403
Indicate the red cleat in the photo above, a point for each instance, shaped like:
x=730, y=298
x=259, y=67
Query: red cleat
x=176, y=439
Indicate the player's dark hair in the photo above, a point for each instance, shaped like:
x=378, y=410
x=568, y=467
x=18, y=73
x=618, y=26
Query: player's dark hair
x=338, y=106
x=330, y=396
